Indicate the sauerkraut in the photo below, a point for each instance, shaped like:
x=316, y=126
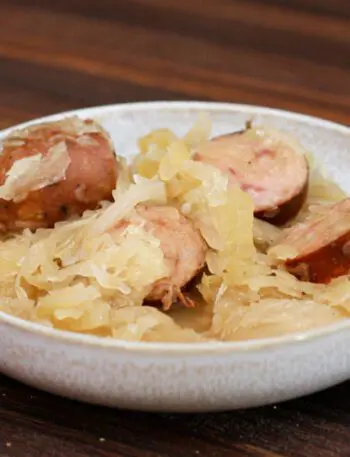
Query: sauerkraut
x=92, y=274
x=35, y=172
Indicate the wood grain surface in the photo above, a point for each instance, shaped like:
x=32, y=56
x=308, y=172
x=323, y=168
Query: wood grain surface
x=58, y=55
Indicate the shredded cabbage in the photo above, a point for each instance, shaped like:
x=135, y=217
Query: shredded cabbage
x=92, y=274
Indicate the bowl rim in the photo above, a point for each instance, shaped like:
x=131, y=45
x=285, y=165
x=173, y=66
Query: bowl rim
x=164, y=348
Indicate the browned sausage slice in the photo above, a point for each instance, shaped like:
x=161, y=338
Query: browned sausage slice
x=267, y=165
x=183, y=247
x=51, y=171
x=321, y=244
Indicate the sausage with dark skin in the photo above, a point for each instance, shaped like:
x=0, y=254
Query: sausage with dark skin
x=89, y=178
x=321, y=243
x=269, y=168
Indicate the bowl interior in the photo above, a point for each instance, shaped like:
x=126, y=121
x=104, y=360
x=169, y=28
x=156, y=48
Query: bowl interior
x=328, y=142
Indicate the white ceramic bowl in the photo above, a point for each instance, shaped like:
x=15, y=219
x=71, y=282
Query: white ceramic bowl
x=186, y=377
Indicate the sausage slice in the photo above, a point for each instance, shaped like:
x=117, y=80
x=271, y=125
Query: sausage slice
x=183, y=247
x=267, y=165
x=322, y=244
x=51, y=171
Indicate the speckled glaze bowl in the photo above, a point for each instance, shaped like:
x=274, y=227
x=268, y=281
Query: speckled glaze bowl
x=186, y=377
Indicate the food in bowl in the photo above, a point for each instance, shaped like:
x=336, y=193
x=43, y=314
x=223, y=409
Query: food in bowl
x=51, y=171
x=182, y=245
x=270, y=167
x=196, y=239
x=321, y=243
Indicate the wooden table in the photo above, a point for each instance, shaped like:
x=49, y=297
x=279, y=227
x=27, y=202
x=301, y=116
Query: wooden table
x=58, y=55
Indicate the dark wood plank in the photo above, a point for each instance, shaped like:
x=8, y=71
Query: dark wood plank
x=162, y=62
x=324, y=7
x=54, y=56
x=33, y=421
x=249, y=24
